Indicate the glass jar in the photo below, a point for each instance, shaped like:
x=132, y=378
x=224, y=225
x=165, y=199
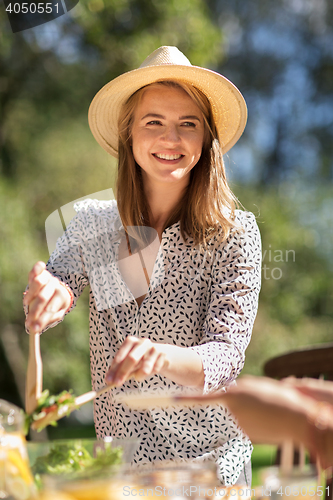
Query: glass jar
x=16, y=480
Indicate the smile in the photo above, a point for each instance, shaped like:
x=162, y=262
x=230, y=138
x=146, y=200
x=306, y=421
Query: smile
x=167, y=157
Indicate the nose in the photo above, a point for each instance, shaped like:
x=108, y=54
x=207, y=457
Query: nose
x=171, y=134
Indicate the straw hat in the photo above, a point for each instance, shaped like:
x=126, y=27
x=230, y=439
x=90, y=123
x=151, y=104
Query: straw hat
x=168, y=63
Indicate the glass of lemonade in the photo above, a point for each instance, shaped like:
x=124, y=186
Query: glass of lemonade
x=16, y=479
x=102, y=488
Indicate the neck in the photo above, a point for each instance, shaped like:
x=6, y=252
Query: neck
x=162, y=199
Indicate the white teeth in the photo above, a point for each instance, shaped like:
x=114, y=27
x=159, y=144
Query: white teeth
x=168, y=157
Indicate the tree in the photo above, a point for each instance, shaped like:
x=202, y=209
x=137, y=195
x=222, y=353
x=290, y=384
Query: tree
x=48, y=156
x=280, y=55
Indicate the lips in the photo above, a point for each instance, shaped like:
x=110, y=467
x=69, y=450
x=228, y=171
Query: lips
x=169, y=157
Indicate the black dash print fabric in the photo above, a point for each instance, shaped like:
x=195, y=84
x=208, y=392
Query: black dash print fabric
x=205, y=300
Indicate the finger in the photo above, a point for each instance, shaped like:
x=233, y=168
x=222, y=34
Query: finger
x=160, y=363
x=36, y=284
x=125, y=348
x=147, y=365
x=37, y=269
x=45, y=295
x=56, y=304
x=49, y=306
x=127, y=361
x=317, y=393
x=152, y=363
x=44, y=320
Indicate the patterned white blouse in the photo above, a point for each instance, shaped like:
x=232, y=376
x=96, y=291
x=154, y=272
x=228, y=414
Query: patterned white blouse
x=205, y=300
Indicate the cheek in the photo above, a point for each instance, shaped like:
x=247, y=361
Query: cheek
x=137, y=146
x=197, y=148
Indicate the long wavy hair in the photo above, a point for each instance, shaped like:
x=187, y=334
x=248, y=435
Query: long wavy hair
x=208, y=205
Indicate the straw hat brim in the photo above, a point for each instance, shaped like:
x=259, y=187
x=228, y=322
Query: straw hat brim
x=228, y=105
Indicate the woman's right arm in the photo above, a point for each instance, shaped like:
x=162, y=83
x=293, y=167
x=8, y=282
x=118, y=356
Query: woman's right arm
x=53, y=288
x=46, y=299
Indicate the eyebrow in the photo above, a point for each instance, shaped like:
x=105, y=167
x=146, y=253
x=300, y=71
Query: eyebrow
x=155, y=115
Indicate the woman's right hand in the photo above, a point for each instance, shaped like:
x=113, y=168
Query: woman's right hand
x=47, y=299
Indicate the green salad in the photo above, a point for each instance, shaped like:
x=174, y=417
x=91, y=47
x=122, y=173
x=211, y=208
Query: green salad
x=74, y=460
x=48, y=403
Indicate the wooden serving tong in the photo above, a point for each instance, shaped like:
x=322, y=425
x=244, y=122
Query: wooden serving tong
x=34, y=387
x=65, y=410
x=34, y=381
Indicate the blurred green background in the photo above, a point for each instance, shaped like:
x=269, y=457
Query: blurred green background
x=280, y=54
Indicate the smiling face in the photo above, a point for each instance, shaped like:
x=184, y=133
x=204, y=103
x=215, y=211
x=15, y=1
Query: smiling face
x=167, y=135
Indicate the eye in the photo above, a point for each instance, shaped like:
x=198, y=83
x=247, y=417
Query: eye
x=154, y=122
x=189, y=124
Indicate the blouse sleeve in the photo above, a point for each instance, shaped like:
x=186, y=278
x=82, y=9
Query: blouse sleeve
x=67, y=261
x=233, y=305
x=85, y=252
x=66, y=264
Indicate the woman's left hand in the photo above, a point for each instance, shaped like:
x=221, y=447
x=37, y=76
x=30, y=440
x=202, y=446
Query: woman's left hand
x=138, y=358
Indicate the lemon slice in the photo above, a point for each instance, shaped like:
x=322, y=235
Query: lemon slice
x=18, y=488
x=17, y=466
x=19, y=482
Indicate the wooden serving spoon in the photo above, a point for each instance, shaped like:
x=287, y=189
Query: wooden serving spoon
x=34, y=381
x=65, y=410
x=149, y=400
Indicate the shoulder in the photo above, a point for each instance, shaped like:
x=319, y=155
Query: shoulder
x=245, y=221
x=105, y=210
x=98, y=207
x=244, y=234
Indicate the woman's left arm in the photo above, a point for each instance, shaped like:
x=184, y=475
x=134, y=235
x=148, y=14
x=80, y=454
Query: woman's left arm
x=227, y=330
x=140, y=358
x=233, y=305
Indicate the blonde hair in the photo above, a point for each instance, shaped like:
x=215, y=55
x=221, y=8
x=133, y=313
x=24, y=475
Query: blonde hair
x=208, y=205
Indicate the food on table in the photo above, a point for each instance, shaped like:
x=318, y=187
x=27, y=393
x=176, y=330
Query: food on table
x=53, y=495
x=49, y=409
x=52, y=408
x=74, y=460
x=15, y=471
x=95, y=489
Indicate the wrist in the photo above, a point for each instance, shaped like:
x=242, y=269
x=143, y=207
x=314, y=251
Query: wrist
x=70, y=293
x=182, y=365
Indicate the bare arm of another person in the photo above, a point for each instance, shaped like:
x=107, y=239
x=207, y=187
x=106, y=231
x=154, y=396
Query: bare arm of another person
x=321, y=390
x=272, y=412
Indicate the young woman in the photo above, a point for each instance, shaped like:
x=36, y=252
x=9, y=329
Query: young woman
x=173, y=268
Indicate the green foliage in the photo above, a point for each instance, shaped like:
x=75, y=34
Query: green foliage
x=297, y=282
x=48, y=156
x=18, y=251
